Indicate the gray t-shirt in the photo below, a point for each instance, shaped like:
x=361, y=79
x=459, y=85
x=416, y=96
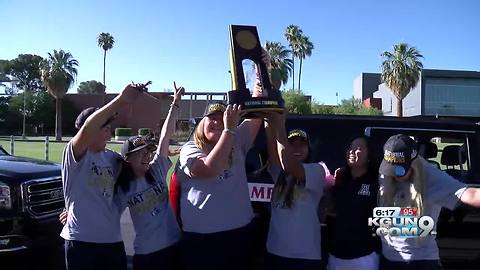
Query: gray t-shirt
x=295, y=232
x=219, y=203
x=88, y=185
x=441, y=190
x=153, y=220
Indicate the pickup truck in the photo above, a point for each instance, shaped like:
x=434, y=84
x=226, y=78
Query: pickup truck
x=31, y=197
x=449, y=143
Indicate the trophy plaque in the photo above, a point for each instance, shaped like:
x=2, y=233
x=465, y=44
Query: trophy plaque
x=245, y=44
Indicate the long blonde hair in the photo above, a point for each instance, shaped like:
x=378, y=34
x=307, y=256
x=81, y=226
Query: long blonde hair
x=386, y=194
x=202, y=142
x=199, y=137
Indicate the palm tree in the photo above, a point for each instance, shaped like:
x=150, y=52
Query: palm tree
x=293, y=34
x=58, y=75
x=281, y=64
x=401, y=71
x=305, y=47
x=105, y=41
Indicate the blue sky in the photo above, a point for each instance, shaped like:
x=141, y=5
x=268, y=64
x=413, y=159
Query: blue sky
x=188, y=41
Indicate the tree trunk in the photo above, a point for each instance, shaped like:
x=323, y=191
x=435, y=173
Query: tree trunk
x=300, y=73
x=293, y=72
x=104, y=61
x=58, y=119
x=399, y=107
x=104, y=64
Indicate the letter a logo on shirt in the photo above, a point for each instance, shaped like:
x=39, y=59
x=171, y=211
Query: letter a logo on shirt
x=364, y=190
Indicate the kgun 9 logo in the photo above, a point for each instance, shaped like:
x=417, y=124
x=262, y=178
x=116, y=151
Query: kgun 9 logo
x=401, y=222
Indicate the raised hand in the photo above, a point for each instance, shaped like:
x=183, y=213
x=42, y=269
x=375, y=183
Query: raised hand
x=276, y=120
x=231, y=116
x=177, y=95
x=131, y=92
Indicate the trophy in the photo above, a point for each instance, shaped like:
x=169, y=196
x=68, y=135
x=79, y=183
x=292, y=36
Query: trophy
x=245, y=44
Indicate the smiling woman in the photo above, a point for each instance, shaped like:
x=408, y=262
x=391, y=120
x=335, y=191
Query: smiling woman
x=354, y=196
x=215, y=207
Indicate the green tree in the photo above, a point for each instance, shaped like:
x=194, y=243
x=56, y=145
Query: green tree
x=401, y=71
x=91, y=87
x=293, y=34
x=105, y=41
x=281, y=65
x=297, y=102
x=304, y=49
x=318, y=108
x=58, y=74
x=354, y=106
x=3, y=75
x=24, y=71
x=39, y=109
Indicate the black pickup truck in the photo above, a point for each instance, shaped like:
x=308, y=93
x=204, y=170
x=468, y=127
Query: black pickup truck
x=31, y=197
x=451, y=144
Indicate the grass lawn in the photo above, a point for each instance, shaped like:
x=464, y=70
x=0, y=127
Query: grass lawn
x=37, y=150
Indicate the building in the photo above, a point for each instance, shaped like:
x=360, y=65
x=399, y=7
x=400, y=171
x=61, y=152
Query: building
x=438, y=92
x=150, y=110
x=365, y=84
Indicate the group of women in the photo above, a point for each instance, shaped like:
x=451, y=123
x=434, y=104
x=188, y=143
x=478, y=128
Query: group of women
x=215, y=213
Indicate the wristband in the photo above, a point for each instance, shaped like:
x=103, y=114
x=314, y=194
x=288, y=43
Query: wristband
x=231, y=131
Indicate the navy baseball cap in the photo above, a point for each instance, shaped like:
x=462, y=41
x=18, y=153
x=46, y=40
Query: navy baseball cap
x=298, y=133
x=215, y=108
x=398, y=153
x=82, y=117
x=137, y=143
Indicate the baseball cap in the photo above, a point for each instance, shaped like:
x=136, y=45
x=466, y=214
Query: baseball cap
x=298, y=133
x=215, y=108
x=398, y=153
x=137, y=143
x=82, y=117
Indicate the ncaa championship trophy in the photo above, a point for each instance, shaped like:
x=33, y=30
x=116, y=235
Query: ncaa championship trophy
x=245, y=44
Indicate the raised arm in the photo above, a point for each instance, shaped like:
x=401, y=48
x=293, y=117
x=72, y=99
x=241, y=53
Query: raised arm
x=88, y=132
x=271, y=144
x=219, y=157
x=471, y=196
x=288, y=162
x=169, y=125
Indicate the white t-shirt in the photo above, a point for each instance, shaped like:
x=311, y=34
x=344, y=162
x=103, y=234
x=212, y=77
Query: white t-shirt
x=153, y=220
x=219, y=203
x=441, y=190
x=88, y=185
x=295, y=232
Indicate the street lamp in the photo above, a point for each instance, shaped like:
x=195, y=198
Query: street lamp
x=24, y=113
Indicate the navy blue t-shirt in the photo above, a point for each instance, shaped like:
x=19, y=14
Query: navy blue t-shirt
x=354, y=202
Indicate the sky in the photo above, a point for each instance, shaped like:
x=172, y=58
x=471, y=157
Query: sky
x=188, y=41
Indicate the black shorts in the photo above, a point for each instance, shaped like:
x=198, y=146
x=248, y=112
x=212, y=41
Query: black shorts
x=274, y=262
x=230, y=250
x=165, y=259
x=102, y=256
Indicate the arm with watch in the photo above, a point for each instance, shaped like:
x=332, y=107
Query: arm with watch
x=216, y=160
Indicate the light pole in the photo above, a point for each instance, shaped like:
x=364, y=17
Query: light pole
x=24, y=113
